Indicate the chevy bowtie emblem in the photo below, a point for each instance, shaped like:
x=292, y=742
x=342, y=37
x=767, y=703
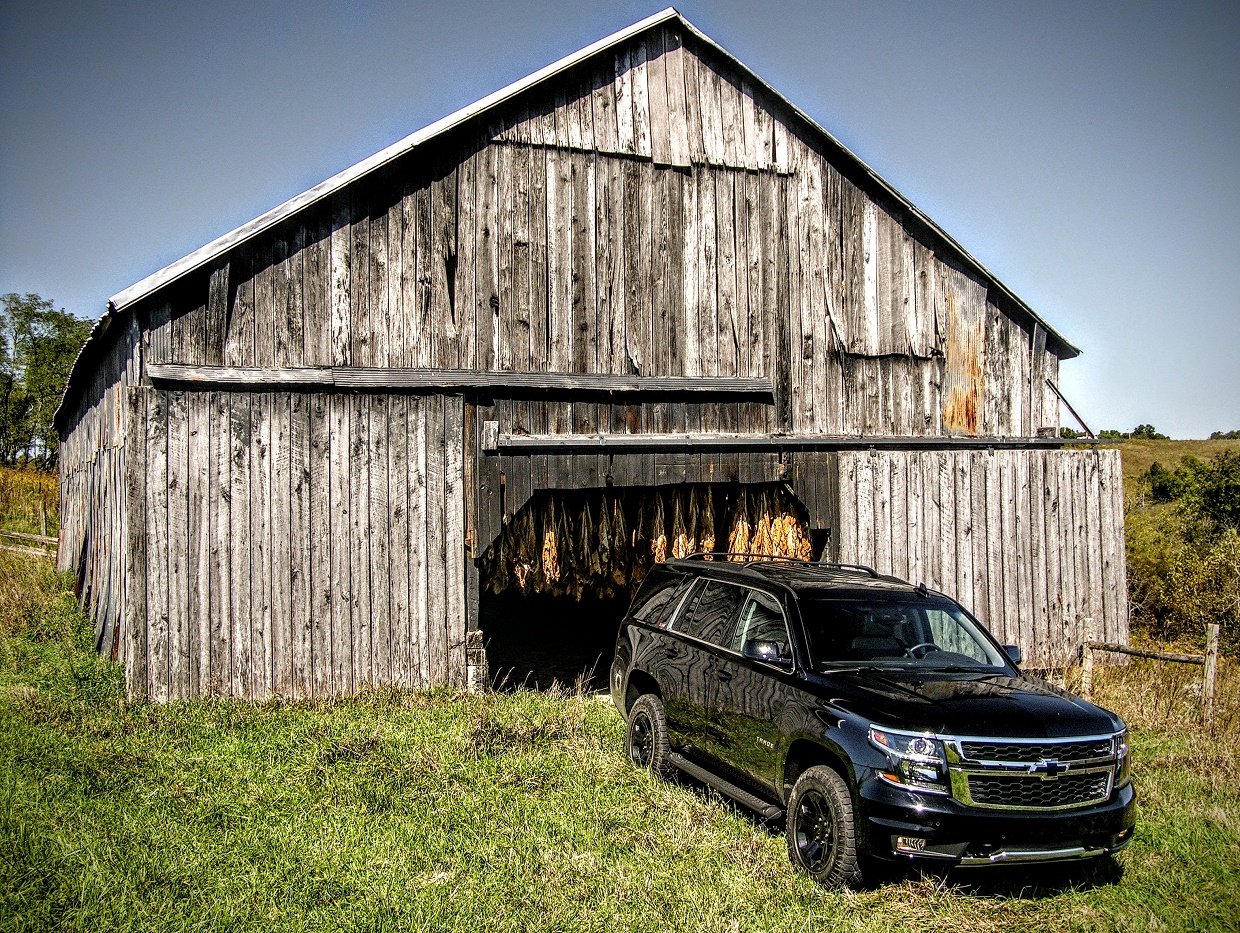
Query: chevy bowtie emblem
x=1049, y=768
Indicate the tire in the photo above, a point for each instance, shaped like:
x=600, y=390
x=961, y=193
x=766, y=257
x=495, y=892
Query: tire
x=646, y=738
x=822, y=838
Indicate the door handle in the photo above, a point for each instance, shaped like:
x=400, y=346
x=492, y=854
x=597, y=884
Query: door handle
x=724, y=675
x=671, y=652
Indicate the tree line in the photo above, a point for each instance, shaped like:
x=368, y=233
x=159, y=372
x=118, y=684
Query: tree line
x=38, y=344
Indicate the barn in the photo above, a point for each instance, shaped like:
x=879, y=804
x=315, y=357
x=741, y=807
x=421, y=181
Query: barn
x=441, y=412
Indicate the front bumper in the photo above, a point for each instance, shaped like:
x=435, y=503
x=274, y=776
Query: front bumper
x=900, y=825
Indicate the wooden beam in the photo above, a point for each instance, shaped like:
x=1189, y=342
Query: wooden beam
x=383, y=378
x=687, y=441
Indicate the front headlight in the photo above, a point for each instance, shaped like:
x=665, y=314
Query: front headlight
x=917, y=761
x=1123, y=759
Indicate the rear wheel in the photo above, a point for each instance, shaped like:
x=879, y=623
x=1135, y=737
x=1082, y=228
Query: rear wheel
x=646, y=741
x=822, y=837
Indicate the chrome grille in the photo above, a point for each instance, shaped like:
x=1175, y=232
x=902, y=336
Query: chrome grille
x=1035, y=751
x=1035, y=775
x=1033, y=792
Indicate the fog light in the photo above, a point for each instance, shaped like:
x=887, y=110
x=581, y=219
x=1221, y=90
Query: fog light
x=910, y=844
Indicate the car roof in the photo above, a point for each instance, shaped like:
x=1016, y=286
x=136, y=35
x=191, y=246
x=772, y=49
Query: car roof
x=804, y=578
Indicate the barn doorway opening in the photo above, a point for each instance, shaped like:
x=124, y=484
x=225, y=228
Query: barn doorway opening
x=556, y=583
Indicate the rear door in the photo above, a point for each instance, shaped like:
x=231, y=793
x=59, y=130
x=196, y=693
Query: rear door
x=699, y=633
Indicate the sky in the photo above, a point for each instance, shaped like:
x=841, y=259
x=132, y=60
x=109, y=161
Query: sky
x=1087, y=153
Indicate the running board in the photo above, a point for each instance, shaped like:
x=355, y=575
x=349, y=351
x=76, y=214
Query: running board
x=727, y=788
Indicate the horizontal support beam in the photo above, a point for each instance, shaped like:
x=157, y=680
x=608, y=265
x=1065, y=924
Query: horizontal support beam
x=519, y=443
x=1145, y=653
x=376, y=378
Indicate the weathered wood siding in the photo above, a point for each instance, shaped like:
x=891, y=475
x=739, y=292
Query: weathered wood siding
x=649, y=212
x=1031, y=542
x=92, y=490
x=653, y=214
x=294, y=544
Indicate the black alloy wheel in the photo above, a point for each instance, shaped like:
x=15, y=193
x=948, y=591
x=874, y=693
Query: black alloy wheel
x=646, y=741
x=821, y=830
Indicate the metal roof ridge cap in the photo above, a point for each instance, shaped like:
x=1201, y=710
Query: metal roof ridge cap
x=237, y=235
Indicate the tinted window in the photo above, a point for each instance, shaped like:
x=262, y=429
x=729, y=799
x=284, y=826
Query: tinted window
x=895, y=632
x=713, y=616
x=761, y=619
x=657, y=599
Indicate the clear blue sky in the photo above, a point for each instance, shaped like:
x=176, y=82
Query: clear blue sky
x=1087, y=153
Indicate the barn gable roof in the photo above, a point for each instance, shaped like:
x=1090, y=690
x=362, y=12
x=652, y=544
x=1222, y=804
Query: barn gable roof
x=200, y=258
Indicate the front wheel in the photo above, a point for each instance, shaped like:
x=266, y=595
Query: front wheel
x=822, y=837
x=646, y=740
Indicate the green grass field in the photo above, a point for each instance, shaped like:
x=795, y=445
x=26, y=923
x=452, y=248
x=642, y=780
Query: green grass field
x=514, y=812
x=1139, y=454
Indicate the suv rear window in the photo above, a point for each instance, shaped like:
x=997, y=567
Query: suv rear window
x=655, y=601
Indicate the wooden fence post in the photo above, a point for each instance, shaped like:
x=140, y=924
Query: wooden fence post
x=1087, y=662
x=1211, y=671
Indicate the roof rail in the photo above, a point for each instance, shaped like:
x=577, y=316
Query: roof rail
x=752, y=559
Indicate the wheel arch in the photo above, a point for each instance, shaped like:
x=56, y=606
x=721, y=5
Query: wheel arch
x=806, y=752
x=639, y=682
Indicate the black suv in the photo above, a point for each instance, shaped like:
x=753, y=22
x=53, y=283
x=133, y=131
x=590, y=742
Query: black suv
x=881, y=718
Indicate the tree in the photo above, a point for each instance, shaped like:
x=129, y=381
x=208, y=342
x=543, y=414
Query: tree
x=38, y=344
x=1148, y=432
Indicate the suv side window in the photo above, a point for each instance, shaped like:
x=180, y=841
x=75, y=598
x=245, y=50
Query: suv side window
x=761, y=619
x=656, y=601
x=713, y=616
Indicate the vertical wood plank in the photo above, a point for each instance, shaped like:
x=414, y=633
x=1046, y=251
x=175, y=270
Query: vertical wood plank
x=340, y=265
x=559, y=261
x=198, y=614
x=322, y=535
x=284, y=640
x=157, y=520
x=679, y=149
x=341, y=663
x=136, y=624
x=301, y=607
x=181, y=635
x=260, y=544
x=377, y=303
x=420, y=532
x=454, y=528
x=380, y=533
x=216, y=324
x=398, y=549
x=436, y=543
x=540, y=333
x=642, y=144
x=585, y=336
x=362, y=625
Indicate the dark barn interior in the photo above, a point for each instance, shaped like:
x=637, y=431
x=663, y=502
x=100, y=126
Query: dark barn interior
x=555, y=585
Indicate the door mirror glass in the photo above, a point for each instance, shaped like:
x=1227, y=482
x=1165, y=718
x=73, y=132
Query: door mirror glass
x=757, y=649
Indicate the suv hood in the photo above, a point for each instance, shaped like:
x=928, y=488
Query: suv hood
x=976, y=704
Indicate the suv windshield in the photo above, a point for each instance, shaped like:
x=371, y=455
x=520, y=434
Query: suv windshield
x=922, y=633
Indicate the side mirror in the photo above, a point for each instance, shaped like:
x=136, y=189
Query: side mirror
x=768, y=651
x=1013, y=653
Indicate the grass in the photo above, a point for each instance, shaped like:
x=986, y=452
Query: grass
x=29, y=501
x=513, y=812
x=1138, y=454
